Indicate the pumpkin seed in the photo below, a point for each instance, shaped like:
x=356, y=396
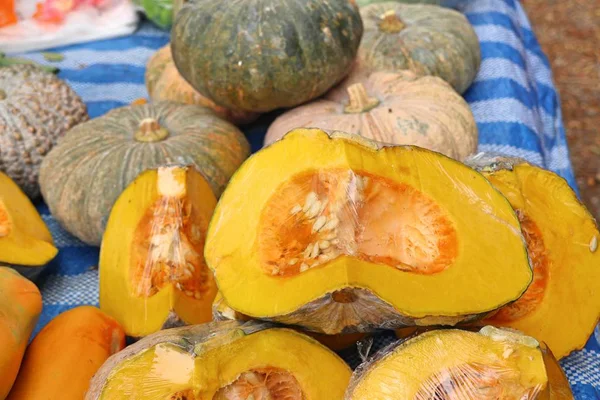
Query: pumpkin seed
x=314, y=209
x=296, y=209
x=331, y=224
x=293, y=261
x=303, y=267
x=308, y=250
x=594, y=244
x=324, y=244
x=253, y=379
x=319, y=223
x=315, y=251
x=311, y=198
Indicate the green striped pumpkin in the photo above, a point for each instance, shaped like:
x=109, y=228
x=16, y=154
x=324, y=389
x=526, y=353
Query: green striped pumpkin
x=426, y=39
x=94, y=162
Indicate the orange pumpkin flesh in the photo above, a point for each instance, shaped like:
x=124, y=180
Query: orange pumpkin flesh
x=406, y=230
x=61, y=360
x=152, y=252
x=20, y=308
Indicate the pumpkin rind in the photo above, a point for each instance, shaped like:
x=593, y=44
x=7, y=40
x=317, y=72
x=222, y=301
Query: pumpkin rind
x=405, y=110
x=164, y=83
x=294, y=53
x=426, y=39
x=84, y=174
x=36, y=108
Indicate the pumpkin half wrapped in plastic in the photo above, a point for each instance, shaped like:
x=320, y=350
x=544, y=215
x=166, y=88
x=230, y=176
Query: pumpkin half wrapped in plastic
x=456, y=364
x=152, y=254
x=562, y=305
x=223, y=361
x=337, y=235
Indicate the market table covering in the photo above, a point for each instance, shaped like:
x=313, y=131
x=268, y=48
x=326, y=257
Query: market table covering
x=513, y=99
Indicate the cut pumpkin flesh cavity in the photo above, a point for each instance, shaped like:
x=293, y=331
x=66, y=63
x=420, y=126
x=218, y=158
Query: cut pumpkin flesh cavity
x=562, y=305
x=223, y=361
x=25, y=240
x=454, y=364
x=152, y=269
x=343, y=236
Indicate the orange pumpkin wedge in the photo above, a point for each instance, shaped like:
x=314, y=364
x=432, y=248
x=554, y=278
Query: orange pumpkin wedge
x=152, y=269
x=61, y=360
x=20, y=308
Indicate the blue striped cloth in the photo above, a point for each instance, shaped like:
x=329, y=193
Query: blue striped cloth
x=513, y=98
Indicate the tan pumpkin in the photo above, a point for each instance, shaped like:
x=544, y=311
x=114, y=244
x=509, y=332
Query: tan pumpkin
x=391, y=108
x=164, y=83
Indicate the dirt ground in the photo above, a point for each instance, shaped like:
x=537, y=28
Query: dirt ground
x=569, y=32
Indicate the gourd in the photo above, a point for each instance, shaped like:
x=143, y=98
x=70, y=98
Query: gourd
x=426, y=39
x=164, y=83
x=562, y=305
x=66, y=353
x=25, y=241
x=84, y=174
x=36, y=108
x=20, y=306
x=489, y=364
x=223, y=360
x=262, y=55
x=343, y=227
x=151, y=256
x=392, y=108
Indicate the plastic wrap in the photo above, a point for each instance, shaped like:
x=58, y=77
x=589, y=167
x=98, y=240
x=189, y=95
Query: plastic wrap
x=454, y=365
x=157, y=277
x=223, y=361
x=349, y=236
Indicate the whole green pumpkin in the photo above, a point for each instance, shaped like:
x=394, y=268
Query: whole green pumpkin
x=92, y=164
x=259, y=55
x=426, y=39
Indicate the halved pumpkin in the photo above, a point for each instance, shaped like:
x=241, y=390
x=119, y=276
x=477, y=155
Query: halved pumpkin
x=455, y=364
x=25, y=241
x=152, y=269
x=337, y=235
x=222, y=312
x=223, y=361
x=562, y=305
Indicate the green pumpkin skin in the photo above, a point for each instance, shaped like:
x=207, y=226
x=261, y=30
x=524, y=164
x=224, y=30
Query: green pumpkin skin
x=260, y=55
x=93, y=163
x=426, y=39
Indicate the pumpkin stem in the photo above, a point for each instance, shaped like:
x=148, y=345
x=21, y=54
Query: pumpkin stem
x=390, y=22
x=150, y=131
x=359, y=100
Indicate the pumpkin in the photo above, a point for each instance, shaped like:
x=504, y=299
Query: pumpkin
x=25, y=241
x=66, y=353
x=343, y=227
x=442, y=364
x=94, y=162
x=152, y=254
x=426, y=39
x=164, y=83
x=36, y=108
x=393, y=109
x=222, y=312
x=562, y=305
x=293, y=54
x=20, y=308
x=223, y=360
x=362, y=3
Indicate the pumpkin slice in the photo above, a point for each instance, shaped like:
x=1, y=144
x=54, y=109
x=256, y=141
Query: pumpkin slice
x=562, y=305
x=390, y=108
x=454, y=364
x=20, y=308
x=25, y=241
x=152, y=269
x=341, y=236
x=223, y=361
x=558, y=387
x=222, y=312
